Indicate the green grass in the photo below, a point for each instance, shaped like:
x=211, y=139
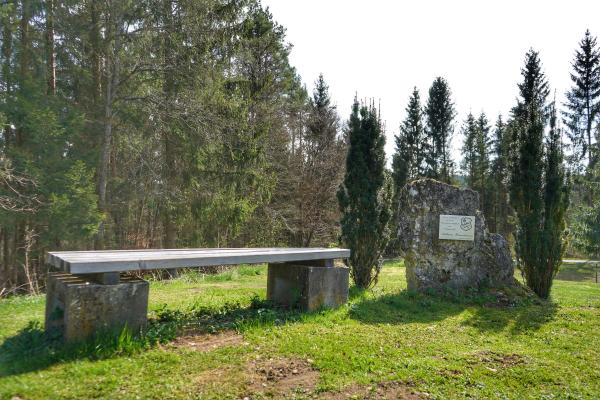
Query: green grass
x=446, y=347
x=579, y=272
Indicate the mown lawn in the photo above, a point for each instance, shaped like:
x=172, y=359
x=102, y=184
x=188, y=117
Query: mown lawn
x=220, y=340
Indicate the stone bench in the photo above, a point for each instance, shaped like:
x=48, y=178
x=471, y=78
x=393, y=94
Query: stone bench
x=89, y=294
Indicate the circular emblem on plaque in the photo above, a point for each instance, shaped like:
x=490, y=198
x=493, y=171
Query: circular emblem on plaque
x=466, y=224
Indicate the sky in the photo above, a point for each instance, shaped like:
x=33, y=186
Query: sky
x=382, y=49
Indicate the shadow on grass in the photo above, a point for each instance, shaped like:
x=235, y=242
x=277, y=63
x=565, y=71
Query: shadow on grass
x=490, y=312
x=521, y=319
x=403, y=307
x=32, y=349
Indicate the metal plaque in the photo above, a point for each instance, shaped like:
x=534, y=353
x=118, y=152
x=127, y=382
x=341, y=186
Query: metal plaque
x=457, y=227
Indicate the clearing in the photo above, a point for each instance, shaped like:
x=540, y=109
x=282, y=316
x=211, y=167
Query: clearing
x=215, y=337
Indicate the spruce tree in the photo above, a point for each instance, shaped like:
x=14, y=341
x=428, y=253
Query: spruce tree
x=499, y=219
x=314, y=174
x=556, y=202
x=587, y=225
x=536, y=187
x=408, y=159
x=440, y=115
x=364, y=196
x=482, y=145
x=469, y=151
x=323, y=119
x=583, y=99
x=476, y=158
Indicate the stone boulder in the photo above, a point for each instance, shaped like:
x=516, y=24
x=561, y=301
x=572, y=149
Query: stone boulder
x=433, y=263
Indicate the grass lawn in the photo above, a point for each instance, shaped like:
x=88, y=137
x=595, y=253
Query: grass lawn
x=214, y=337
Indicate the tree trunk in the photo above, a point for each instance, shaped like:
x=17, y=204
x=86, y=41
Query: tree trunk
x=95, y=51
x=169, y=240
x=6, y=67
x=23, y=61
x=50, y=56
x=113, y=64
x=2, y=262
x=24, y=28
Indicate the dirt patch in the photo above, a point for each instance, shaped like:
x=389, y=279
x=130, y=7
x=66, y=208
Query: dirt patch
x=384, y=390
x=280, y=378
x=209, y=342
x=501, y=299
x=289, y=378
x=499, y=359
x=450, y=373
x=511, y=296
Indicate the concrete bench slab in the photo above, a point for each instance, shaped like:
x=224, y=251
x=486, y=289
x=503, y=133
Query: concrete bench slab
x=93, y=262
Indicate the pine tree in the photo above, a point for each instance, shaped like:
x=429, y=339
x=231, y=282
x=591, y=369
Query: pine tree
x=556, y=202
x=469, y=150
x=586, y=229
x=499, y=219
x=440, y=115
x=408, y=159
x=312, y=216
x=482, y=145
x=536, y=188
x=583, y=99
x=469, y=161
x=364, y=196
x=323, y=119
x=533, y=91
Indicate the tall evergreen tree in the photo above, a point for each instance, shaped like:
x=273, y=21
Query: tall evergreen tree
x=440, y=115
x=556, y=203
x=536, y=188
x=469, y=150
x=583, y=99
x=482, y=144
x=363, y=197
x=316, y=171
x=586, y=227
x=476, y=158
x=533, y=90
x=499, y=218
x=411, y=145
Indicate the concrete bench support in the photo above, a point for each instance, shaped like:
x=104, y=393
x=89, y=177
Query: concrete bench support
x=78, y=307
x=309, y=287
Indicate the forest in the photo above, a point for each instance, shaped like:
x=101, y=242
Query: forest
x=182, y=123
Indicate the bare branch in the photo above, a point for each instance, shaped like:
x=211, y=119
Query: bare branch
x=16, y=190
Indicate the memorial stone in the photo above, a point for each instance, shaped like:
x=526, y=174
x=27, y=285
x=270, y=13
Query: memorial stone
x=444, y=240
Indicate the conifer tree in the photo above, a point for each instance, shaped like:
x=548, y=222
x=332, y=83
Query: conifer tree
x=583, y=99
x=364, y=196
x=469, y=151
x=315, y=174
x=537, y=188
x=482, y=145
x=476, y=158
x=323, y=119
x=556, y=202
x=499, y=218
x=587, y=226
x=440, y=115
x=411, y=145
